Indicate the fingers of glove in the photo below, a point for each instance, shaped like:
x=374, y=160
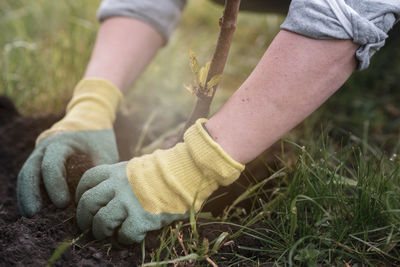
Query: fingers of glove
x=131, y=232
x=108, y=218
x=53, y=173
x=91, y=202
x=90, y=179
x=105, y=156
x=28, y=185
x=104, y=151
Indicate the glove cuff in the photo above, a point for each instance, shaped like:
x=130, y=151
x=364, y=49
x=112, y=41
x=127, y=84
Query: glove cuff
x=209, y=156
x=93, y=107
x=97, y=90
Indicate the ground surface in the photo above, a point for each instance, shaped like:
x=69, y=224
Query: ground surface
x=32, y=241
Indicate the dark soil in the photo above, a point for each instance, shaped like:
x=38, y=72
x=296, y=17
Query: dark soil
x=31, y=241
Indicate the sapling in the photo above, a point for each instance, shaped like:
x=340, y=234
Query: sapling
x=208, y=77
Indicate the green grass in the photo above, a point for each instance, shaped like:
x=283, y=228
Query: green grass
x=44, y=48
x=341, y=205
x=339, y=195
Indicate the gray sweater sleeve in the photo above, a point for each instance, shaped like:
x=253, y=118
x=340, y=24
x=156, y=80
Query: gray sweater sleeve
x=162, y=15
x=366, y=22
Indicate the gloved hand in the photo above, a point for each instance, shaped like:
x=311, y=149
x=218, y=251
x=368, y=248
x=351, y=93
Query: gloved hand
x=86, y=128
x=152, y=191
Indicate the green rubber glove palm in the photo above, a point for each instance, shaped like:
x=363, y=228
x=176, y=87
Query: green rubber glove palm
x=152, y=191
x=86, y=128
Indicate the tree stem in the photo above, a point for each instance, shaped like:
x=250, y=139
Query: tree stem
x=227, y=28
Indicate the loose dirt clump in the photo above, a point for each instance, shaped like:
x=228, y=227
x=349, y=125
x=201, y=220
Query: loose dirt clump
x=76, y=166
x=32, y=241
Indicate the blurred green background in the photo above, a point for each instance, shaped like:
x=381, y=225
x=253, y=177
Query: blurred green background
x=47, y=44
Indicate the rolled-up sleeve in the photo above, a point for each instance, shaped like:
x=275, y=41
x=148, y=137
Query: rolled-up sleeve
x=162, y=15
x=365, y=22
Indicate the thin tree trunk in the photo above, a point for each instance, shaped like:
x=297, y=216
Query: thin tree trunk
x=201, y=109
x=227, y=28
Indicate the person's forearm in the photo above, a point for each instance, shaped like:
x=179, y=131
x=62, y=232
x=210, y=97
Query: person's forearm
x=294, y=77
x=124, y=47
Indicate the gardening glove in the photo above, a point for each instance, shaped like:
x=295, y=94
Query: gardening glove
x=86, y=128
x=149, y=192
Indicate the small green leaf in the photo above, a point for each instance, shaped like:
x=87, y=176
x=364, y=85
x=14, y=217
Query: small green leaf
x=308, y=256
x=208, y=65
x=214, y=81
x=58, y=252
x=194, y=64
x=203, y=76
x=190, y=88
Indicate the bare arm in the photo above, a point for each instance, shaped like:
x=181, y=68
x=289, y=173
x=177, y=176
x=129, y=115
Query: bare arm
x=294, y=77
x=124, y=47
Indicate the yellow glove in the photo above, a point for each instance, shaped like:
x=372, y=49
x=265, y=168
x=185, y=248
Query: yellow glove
x=151, y=191
x=92, y=107
x=86, y=128
x=194, y=168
